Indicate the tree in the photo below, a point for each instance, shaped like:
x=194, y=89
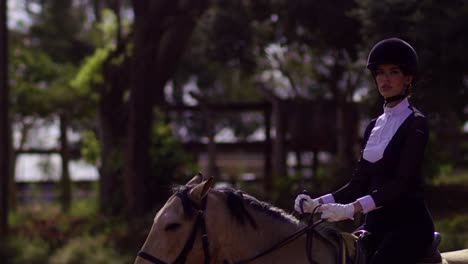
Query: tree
x=232, y=39
x=5, y=142
x=44, y=61
x=111, y=86
x=436, y=30
x=314, y=47
x=161, y=32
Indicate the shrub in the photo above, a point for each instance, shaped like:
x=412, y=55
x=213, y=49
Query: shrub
x=88, y=249
x=170, y=164
x=454, y=231
x=20, y=250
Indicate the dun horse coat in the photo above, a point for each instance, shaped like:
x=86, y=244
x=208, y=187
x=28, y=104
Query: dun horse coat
x=201, y=224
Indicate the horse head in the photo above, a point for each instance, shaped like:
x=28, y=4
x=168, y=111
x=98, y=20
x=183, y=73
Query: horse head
x=175, y=221
x=201, y=224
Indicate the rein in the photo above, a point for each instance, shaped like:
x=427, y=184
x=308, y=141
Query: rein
x=200, y=223
x=287, y=240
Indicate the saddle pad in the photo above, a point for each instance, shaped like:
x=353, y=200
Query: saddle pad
x=349, y=248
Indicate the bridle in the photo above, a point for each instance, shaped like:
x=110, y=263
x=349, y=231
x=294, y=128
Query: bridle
x=201, y=223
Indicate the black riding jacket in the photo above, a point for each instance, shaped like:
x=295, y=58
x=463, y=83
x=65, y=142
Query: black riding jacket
x=395, y=182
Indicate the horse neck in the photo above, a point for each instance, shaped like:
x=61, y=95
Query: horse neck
x=233, y=241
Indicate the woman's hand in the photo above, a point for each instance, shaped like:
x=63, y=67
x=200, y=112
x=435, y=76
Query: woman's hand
x=334, y=212
x=308, y=205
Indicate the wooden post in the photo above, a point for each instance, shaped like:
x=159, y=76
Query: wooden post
x=212, y=166
x=299, y=167
x=279, y=143
x=4, y=121
x=267, y=177
x=211, y=121
x=65, y=181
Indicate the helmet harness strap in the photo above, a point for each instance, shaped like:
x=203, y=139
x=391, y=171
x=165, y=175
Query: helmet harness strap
x=394, y=98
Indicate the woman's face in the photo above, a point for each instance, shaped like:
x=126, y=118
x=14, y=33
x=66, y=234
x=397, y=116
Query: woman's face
x=391, y=80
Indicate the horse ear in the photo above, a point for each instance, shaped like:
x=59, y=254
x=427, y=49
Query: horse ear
x=196, y=179
x=201, y=190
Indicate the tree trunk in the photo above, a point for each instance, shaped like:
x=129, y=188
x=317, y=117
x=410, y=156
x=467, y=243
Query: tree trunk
x=65, y=181
x=5, y=141
x=112, y=137
x=161, y=32
x=12, y=203
x=112, y=119
x=113, y=116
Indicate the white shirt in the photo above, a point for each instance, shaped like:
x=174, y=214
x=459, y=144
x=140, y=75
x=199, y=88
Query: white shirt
x=385, y=128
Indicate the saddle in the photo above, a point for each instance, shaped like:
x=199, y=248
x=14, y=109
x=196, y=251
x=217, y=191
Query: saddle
x=362, y=256
x=433, y=254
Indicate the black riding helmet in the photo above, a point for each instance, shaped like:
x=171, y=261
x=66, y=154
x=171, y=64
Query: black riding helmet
x=394, y=51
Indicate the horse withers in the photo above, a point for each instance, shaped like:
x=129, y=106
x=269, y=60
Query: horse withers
x=201, y=224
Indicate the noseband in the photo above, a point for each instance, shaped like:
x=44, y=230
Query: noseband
x=199, y=224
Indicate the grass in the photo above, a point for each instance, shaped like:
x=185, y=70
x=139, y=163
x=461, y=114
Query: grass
x=42, y=233
x=454, y=232
x=447, y=198
x=452, y=177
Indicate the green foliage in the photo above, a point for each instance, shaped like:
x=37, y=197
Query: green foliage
x=283, y=189
x=88, y=249
x=86, y=206
x=435, y=159
x=454, y=231
x=104, y=31
x=42, y=234
x=39, y=83
x=169, y=162
x=90, y=73
x=21, y=250
x=57, y=28
x=221, y=55
x=90, y=148
x=458, y=223
x=43, y=61
x=450, y=176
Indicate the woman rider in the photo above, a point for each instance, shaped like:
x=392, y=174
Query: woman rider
x=387, y=184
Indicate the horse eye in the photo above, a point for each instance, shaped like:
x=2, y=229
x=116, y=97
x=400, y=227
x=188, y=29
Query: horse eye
x=172, y=227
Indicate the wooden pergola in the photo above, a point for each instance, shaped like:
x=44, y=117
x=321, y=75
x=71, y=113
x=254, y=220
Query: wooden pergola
x=290, y=126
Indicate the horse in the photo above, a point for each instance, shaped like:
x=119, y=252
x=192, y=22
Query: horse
x=203, y=224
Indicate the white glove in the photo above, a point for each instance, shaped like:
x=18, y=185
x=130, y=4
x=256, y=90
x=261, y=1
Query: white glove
x=334, y=212
x=308, y=205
